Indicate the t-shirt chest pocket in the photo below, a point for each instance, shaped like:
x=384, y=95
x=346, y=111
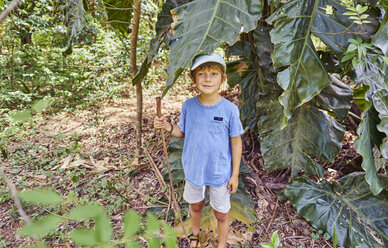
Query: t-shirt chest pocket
x=217, y=126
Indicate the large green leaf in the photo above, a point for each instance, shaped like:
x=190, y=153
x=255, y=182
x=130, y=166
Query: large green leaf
x=203, y=25
x=347, y=209
x=381, y=38
x=41, y=197
x=162, y=28
x=41, y=227
x=78, y=28
x=103, y=228
x=368, y=132
x=310, y=133
x=306, y=76
x=251, y=72
x=335, y=98
x=335, y=29
x=119, y=14
x=371, y=75
x=380, y=101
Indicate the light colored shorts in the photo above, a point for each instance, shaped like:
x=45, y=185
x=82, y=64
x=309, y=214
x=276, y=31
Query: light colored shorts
x=219, y=196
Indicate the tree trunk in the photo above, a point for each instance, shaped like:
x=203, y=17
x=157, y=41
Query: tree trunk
x=26, y=39
x=139, y=90
x=8, y=10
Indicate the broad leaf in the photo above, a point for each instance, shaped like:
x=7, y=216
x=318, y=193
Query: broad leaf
x=41, y=227
x=371, y=75
x=41, y=197
x=103, y=228
x=336, y=98
x=119, y=14
x=380, y=101
x=374, y=77
x=368, y=132
x=336, y=29
x=251, y=72
x=380, y=39
x=131, y=223
x=306, y=76
x=78, y=28
x=309, y=134
x=203, y=25
x=162, y=27
x=347, y=209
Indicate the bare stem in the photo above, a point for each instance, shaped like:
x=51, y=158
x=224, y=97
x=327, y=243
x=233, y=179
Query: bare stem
x=14, y=196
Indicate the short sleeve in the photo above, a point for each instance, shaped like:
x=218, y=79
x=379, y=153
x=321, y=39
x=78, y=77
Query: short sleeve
x=182, y=118
x=235, y=126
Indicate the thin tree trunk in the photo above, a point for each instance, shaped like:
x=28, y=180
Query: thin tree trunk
x=139, y=90
x=8, y=10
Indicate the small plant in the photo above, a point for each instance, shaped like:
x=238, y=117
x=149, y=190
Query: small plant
x=155, y=232
x=275, y=241
x=357, y=14
x=356, y=52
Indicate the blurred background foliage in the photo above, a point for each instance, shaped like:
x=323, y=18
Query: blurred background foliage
x=37, y=62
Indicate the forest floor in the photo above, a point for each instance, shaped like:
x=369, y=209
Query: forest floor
x=91, y=152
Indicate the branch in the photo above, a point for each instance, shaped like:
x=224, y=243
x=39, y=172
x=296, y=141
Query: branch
x=8, y=10
x=14, y=196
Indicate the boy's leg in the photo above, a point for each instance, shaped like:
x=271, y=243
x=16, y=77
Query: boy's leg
x=222, y=228
x=220, y=202
x=196, y=198
x=195, y=216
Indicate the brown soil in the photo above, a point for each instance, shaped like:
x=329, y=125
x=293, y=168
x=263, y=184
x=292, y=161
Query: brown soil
x=107, y=135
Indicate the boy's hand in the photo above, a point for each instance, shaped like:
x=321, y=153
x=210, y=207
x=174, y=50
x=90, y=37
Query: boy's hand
x=233, y=184
x=161, y=123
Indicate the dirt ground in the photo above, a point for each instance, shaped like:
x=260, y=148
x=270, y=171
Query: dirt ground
x=108, y=134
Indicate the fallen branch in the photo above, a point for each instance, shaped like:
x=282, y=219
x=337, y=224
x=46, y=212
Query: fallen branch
x=273, y=215
x=14, y=196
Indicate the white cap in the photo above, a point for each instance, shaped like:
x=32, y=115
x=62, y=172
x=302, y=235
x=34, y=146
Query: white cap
x=214, y=58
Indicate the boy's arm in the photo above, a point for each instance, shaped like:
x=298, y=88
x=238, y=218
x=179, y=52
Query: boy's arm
x=162, y=123
x=236, y=145
x=176, y=131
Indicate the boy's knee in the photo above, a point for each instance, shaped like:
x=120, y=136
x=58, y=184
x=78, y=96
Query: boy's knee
x=221, y=216
x=197, y=207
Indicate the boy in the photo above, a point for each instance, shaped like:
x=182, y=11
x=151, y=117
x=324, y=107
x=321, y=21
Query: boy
x=211, y=156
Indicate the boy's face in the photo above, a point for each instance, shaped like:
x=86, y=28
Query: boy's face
x=208, y=79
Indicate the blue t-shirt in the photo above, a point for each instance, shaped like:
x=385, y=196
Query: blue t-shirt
x=207, y=156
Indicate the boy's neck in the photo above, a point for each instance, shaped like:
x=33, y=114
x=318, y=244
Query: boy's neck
x=209, y=100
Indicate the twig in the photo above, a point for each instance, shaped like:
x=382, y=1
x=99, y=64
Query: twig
x=295, y=237
x=155, y=169
x=273, y=215
x=14, y=196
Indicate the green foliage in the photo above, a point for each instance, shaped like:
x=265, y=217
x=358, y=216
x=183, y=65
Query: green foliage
x=297, y=81
x=41, y=197
x=101, y=234
x=356, y=52
x=357, y=14
x=275, y=241
x=346, y=210
x=119, y=14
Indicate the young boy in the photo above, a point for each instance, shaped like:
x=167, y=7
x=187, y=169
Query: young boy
x=211, y=156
